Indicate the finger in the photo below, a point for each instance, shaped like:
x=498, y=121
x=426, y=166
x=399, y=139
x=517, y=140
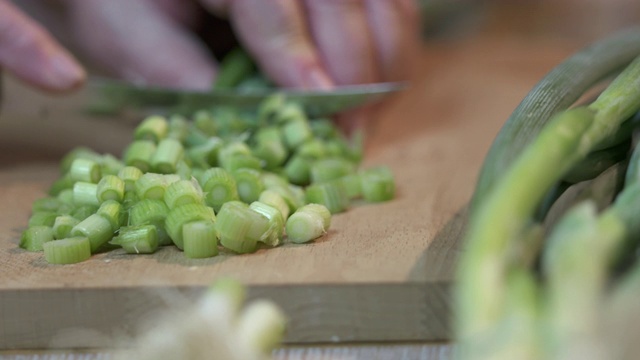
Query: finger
x=275, y=33
x=27, y=51
x=341, y=31
x=136, y=41
x=185, y=12
x=394, y=26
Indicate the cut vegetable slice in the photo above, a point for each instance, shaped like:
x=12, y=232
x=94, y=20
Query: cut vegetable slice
x=34, y=237
x=185, y=214
x=67, y=251
x=308, y=223
x=200, y=239
x=142, y=239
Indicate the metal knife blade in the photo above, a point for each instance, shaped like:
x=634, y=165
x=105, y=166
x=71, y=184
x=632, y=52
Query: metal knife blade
x=113, y=96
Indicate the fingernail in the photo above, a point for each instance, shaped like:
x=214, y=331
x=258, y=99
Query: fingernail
x=65, y=72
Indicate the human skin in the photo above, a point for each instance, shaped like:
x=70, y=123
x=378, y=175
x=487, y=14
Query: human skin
x=31, y=54
x=297, y=43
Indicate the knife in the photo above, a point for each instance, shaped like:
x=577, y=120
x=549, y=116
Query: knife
x=114, y=97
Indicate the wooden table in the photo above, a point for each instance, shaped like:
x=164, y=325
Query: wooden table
x=383, y=274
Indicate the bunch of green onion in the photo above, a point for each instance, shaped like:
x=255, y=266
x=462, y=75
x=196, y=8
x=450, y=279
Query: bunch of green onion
x=217, y=326
x=225, y=178
x=535, y=286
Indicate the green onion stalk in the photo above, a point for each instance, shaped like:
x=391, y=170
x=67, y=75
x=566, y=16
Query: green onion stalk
x=503, y=208
x=216, y=325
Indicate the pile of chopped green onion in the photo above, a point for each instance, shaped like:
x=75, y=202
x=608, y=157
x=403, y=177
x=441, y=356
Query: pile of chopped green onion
x=223, y=178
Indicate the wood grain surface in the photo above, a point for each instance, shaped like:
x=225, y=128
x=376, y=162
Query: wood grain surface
x=384, y=271
x=430, y=351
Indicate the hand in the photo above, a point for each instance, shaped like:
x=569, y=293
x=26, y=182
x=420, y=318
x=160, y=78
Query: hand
x=31, y=54
x=298, y=43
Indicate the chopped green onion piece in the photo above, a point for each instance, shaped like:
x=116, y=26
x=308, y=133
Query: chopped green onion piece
x=354, y=147
x=46, y=204
x=320, y=210
x=61, y=184
x=110, y=187
x=178, y=128
x=206, y=154
x=296, y=133
x=291, y=112
x=298, y=170
x=353, y=185
x=236, y=66
x=268, y=134
x=330, y=169
x=129, y=174
x=110, y=165
x=324, y=128
x=275, y=200
x=66, y=208
x=112, y=211
x=219, y=186
x=262, y=325
x=231, y=149
x=203, y=120
x=332, y=194
x=183, y=170
x=141, y=239
x=67, y=251
x=78, y=153
x=241, y=161
x=85, y=193
x=271, y=180
x=273, y=236
x=195, y=137
x=196, y=173
x=153, y=186
x=181, y=215
x=153, y=128
x=308, y=223
x=272, y=153
x=95, y=228
x=239, y=227
x=249, y=184
x=139, y=154
x=168, y=154
x=65, y=196
x=377, y=184
x=63, y=225
x=151, y=212
x=270, y=107
x=84, y=211
x=298, y=194
x=312, y=149
x=130, y=199
x=291, y=197
x=183, y=192
x=270, y=146
x=336, y=147
x=34, y=237
x=46, y=218
x=85, y=170
x=200, y=239
x=148, y=211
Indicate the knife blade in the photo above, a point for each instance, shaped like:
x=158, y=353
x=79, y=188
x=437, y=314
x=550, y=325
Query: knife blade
x=112, y=97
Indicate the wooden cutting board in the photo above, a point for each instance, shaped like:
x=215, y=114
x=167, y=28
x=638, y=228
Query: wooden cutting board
x=383, y=272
